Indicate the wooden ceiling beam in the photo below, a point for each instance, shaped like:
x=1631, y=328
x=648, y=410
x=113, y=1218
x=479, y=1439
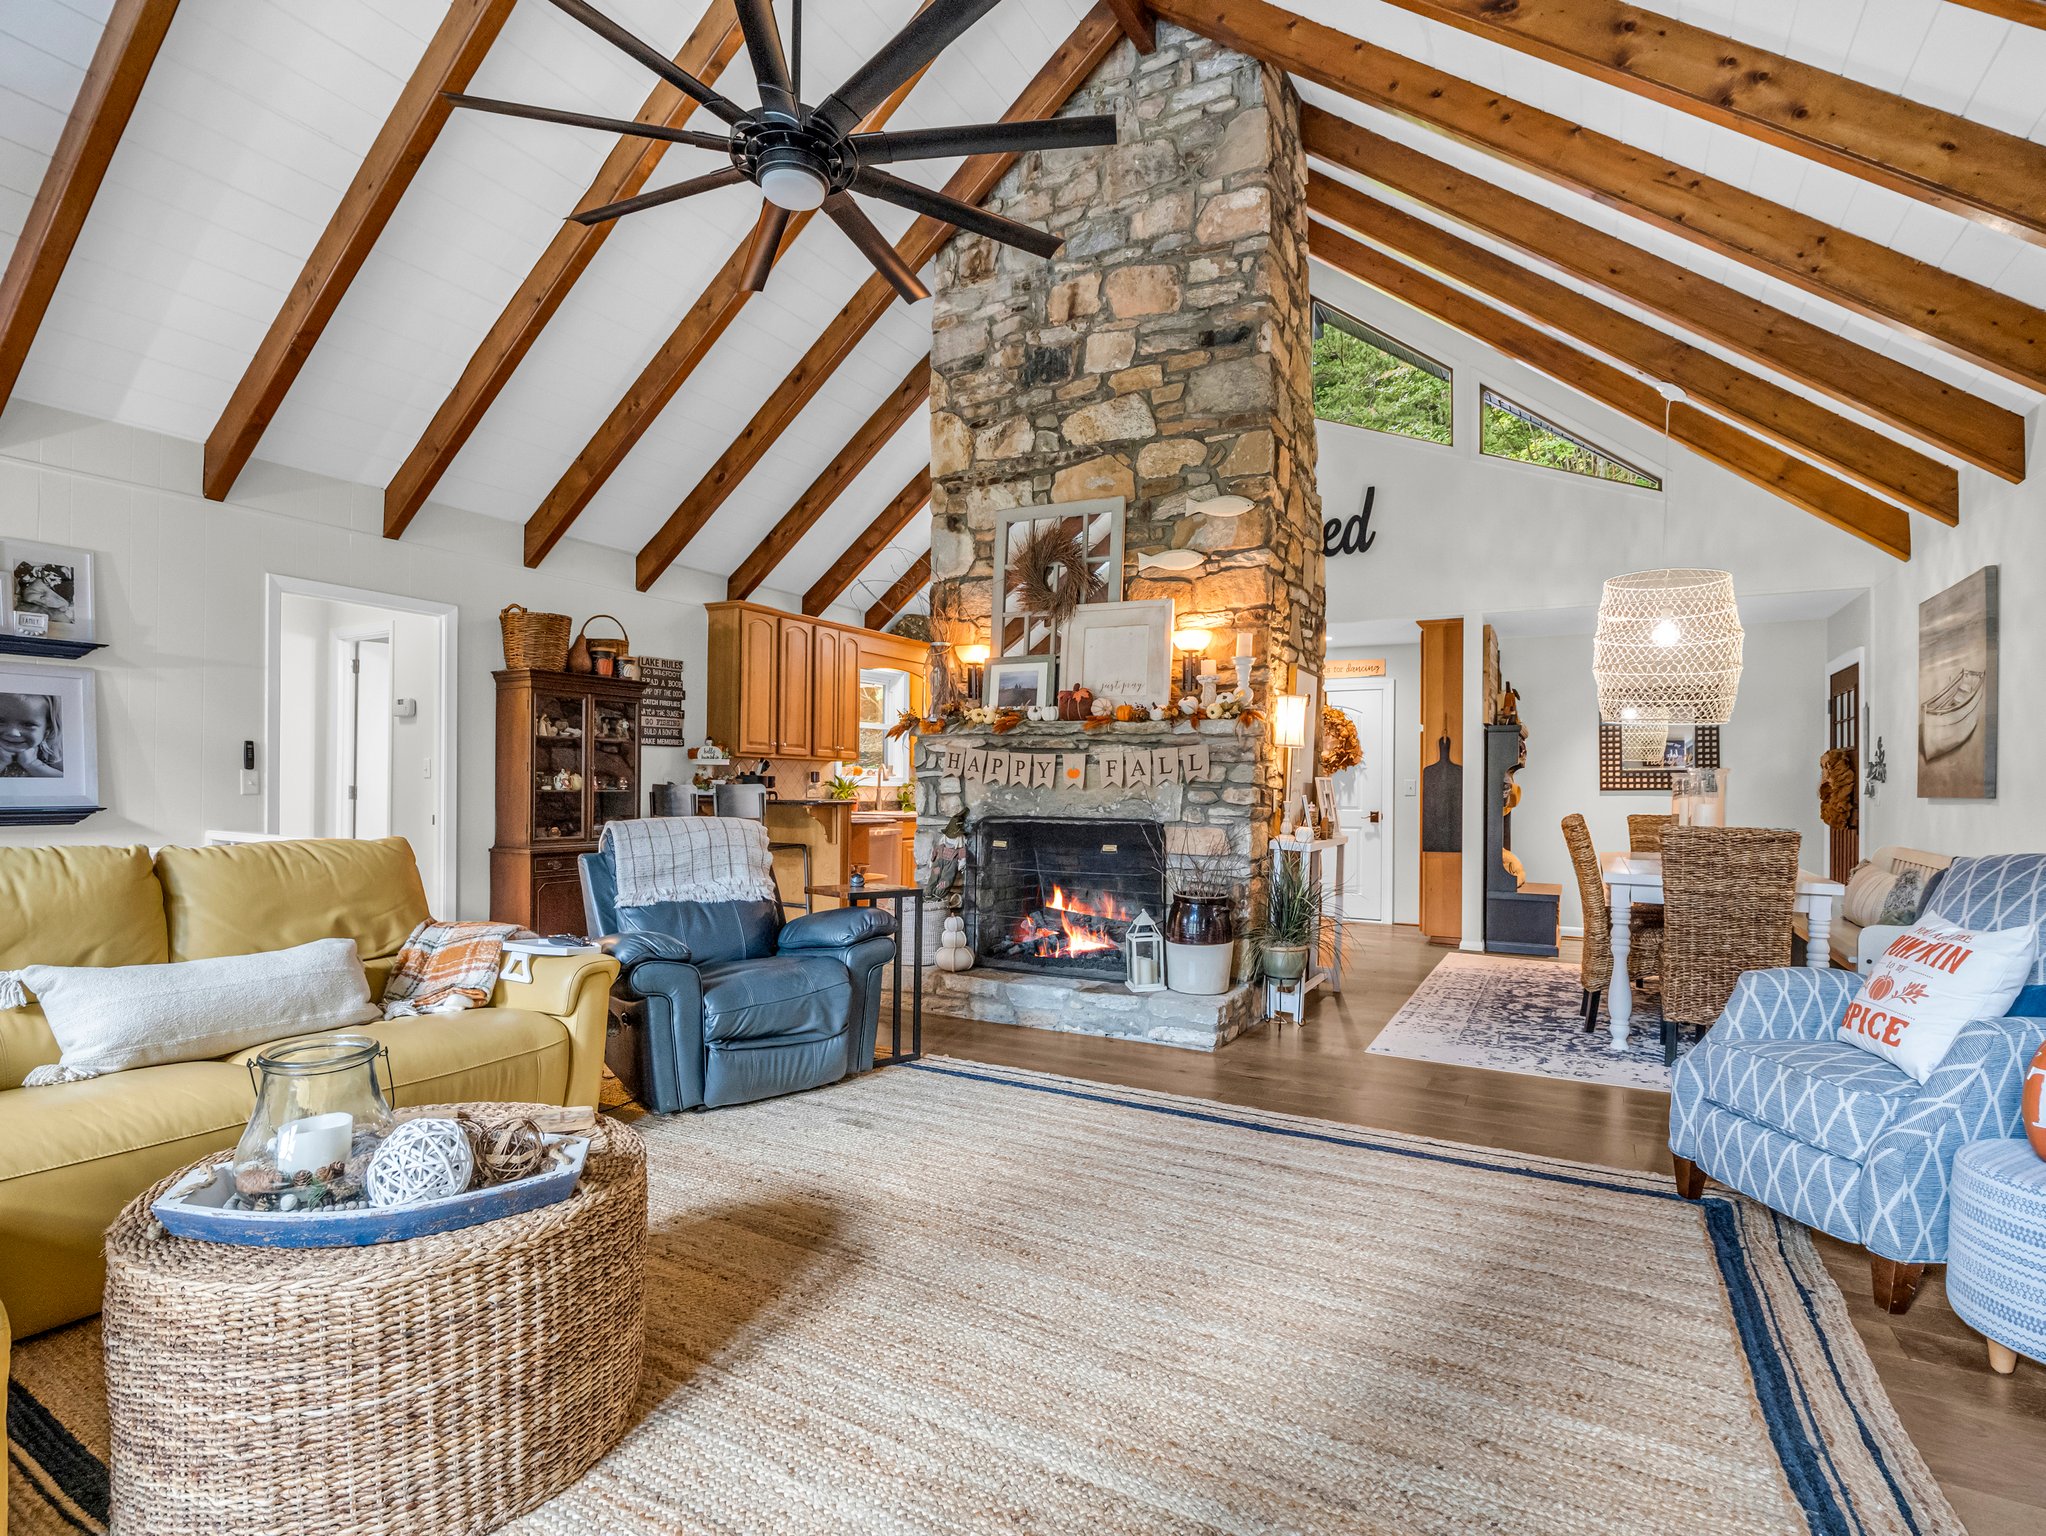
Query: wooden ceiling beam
x=1939, y=158
x=106, y=99
x=1969, y=319
x=905, y=587
x=1065, y=72
x=625, y=171
x=666, y=372
x=1134, y=17
x=2030, y=13
x=448, y=64
x=875, y=537
x=1873, y=458
x=1935, y=412
x=890, y=417
x=1833, y=501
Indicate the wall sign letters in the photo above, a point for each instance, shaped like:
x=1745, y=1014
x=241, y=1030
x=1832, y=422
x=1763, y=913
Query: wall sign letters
x=1114, y=767
x=1352, y=537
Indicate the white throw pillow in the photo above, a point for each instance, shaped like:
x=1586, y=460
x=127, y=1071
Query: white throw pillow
x=1867, y=889
x=1934, y=979
x=110, y=1018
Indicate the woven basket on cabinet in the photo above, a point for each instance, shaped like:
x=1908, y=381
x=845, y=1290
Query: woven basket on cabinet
x=536, y=642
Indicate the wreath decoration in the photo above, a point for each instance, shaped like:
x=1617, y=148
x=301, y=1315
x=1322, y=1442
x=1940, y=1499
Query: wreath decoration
x=1340, y=747
x=1049, y=574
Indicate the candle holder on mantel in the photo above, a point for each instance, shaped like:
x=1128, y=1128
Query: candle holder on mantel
x=320, y=1113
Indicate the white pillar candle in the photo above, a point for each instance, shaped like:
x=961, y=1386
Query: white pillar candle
x=308, y=1145
x=1243, y=643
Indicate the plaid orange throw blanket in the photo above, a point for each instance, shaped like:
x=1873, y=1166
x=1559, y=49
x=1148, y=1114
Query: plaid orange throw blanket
x=446, y=967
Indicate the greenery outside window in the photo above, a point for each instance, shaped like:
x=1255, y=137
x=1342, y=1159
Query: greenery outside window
x=1507, y=430
x=1364, y=378
x=884, y=699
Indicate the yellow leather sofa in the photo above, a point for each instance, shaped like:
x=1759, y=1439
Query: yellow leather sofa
x=72, y=1154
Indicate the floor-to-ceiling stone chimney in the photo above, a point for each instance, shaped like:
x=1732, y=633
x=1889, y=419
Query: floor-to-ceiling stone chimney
x=1164, y=356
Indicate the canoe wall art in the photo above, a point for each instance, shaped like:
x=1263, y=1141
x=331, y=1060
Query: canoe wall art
x=1957, y=691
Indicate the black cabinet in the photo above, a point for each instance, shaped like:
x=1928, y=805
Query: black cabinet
x=1521, y=917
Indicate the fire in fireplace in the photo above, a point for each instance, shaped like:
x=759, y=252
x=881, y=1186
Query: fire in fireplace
x=1050, y=894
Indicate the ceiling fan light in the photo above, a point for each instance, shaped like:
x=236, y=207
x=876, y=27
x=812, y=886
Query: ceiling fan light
x=793, y=187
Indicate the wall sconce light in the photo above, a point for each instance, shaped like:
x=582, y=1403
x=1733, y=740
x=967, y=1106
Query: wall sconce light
x=1190, y=643
x=974, y=657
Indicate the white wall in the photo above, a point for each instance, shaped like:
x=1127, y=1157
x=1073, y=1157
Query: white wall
x=1772, y=745
x=181, y=607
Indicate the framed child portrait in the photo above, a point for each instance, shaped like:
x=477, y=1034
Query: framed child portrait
x=45, y=591
x=49, y=745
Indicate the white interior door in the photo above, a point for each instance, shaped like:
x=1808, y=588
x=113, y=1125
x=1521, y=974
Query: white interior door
x=370, y=801
x=1362, y=804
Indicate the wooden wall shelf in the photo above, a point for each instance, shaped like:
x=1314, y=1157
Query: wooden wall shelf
x=48, y=650
x=46, y=815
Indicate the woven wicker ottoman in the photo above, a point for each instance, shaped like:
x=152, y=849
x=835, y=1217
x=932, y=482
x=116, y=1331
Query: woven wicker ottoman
x=1996, y=1248
x=443, y=1385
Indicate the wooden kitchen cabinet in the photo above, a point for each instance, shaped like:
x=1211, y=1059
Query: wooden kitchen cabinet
x=781, y=685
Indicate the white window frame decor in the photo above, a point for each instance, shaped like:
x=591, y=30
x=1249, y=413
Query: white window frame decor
x=1007, y=522
x=73, y=795
x=1146, y=675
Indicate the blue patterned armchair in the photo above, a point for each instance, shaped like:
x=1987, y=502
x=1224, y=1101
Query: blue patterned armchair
x=1773, y=1103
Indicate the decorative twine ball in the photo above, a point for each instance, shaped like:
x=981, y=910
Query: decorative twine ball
x=420, y=1160
x=505, y=1152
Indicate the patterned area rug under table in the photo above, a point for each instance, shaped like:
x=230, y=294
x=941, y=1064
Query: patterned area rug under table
x=954, y=1298
x=1508, y=1013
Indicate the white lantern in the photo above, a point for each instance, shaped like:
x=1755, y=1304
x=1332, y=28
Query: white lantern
x=1143, y=953
x=1668, y=648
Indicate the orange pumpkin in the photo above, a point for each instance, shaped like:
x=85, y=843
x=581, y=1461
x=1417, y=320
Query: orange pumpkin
x=2034, y=1112
x=1126, y=712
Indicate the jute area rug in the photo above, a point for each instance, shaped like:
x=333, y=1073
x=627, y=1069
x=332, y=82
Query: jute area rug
x=954, y=1298
x=1515, y=1013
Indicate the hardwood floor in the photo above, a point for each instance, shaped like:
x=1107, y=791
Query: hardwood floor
x=1984, y=1435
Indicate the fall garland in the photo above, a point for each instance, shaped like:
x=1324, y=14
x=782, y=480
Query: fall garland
x=1340, y=747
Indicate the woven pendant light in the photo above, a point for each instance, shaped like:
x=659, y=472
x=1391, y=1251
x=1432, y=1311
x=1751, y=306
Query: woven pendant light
x=1668, y=648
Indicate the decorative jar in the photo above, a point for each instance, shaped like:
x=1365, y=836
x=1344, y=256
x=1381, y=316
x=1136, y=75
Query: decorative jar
x=320, y=1113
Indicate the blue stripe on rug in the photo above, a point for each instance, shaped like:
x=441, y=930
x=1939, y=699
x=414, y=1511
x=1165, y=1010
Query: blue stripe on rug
x=1421, y=1154
x=79, y=1475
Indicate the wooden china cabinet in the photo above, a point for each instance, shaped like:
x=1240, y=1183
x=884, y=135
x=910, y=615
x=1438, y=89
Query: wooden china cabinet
x=568, y=761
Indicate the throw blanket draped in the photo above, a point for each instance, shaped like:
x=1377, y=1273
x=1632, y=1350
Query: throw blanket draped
x=446, y=967
x=690, y=858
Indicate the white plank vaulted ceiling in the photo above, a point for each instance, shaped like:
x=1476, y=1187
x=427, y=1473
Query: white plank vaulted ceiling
x=258, y=112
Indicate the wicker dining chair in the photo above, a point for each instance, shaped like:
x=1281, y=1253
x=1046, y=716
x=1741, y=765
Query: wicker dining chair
x=1728, y=894
x=1595, y=968
x=1644, y=833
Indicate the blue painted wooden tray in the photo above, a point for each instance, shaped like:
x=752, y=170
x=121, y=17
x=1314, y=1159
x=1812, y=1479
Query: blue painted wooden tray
x=196, y=1207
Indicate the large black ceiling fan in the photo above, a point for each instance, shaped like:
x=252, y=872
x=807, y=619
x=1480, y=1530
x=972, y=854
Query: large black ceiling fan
x=805, y=157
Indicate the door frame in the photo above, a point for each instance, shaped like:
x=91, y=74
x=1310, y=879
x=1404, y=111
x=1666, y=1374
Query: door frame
x=1331, y=689
x=447, y=899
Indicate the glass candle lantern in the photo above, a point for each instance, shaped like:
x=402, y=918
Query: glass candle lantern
x=320, y=1113
x=1144, y=955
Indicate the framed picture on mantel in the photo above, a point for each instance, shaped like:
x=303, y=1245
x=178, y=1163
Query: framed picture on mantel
x=1121, y=652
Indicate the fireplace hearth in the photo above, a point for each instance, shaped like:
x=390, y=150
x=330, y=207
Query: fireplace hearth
x=1057, y=895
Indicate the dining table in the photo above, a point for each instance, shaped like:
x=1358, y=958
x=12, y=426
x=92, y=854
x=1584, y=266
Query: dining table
x=1637, y=877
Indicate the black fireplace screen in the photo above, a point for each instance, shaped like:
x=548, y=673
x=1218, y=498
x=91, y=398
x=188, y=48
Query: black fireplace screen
x=1058, y=895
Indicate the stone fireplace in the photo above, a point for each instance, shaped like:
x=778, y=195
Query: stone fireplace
x=1162, y=359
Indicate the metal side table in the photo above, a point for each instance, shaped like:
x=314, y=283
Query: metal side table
x=912, y=933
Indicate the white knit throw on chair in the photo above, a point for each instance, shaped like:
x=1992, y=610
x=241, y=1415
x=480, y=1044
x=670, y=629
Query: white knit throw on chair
x=690, y=858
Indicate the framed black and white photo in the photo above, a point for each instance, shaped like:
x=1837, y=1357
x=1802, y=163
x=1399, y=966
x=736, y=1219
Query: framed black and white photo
x=49, y=745
x=1019, y=682
x=1121, y=652
x=46, y=593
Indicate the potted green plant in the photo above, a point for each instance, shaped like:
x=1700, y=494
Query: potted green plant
x=839, y=787
x=1283, y=937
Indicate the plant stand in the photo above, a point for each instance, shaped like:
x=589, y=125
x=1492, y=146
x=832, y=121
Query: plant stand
x=1289, y=998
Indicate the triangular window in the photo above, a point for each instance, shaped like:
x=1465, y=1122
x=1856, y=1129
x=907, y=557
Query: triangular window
x=1509, y=430
x=1364, y=378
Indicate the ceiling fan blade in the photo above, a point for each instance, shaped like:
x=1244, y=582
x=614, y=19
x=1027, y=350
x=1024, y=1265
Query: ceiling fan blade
x=859, y=229
x=588, y=120
x=766, y=243
x=729, y=176
x=929, y=33
x=770, y=63
x=984, y=139
x=907, y=194
x=618, y=37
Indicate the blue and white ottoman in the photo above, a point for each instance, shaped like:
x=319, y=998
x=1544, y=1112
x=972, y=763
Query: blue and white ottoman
x=1996, y=1248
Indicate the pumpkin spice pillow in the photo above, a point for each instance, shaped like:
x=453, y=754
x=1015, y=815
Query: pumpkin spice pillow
x=1933, y=980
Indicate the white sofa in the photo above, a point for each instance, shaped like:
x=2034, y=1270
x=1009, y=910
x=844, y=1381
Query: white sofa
x=1854, y=947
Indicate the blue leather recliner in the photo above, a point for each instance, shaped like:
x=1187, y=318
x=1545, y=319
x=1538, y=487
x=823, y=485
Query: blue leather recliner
x=733, y=1004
